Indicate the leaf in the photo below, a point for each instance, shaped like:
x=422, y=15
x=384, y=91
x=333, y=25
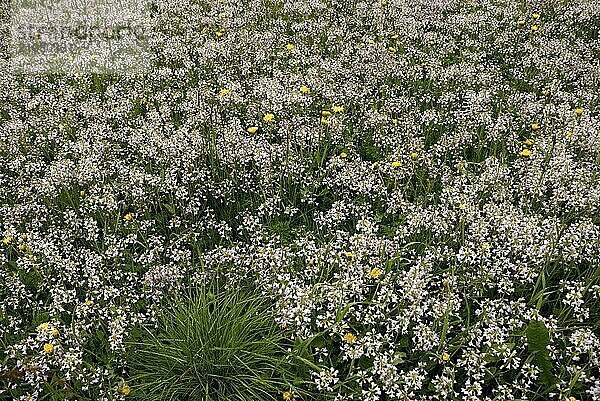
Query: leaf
x=538, y=339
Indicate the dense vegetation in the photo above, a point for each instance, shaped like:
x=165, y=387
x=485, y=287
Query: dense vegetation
x=308, y=200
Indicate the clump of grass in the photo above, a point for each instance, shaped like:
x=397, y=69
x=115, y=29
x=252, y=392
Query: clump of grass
x=210, y=346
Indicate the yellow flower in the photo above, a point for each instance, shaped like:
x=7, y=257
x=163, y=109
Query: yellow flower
x=304, y=89
x=396, y=36
x=485, y=245
x=573, y=399
x=349, y=255
x=48, y=348
x=43, y=326
x=125, y=390
x=7, y=240
x=268, y=118
x=128, y=217
x=545, y=92
x=22, y=247
x=521, y=22
x=349, y=338
x=375, y=272
x=525, y=153
x=325, y=113
x=324, y=121
x=394, y=121
x=414, y=155
x=569, y=134
x=534, y=28
x=343, y=155
x=287, y=395
x=252, y=130
x=81, y=193
x=337, y=109
x=579, y=111
x=219, y=34
x=396, y=164
x=89, y=302
x=445, y=357
x=392, y=49
x=223, y=92
x=290, y=46
x=536, y=16
x=528, y=142
x=445, y=283
x=535, y=126
x=311, y=261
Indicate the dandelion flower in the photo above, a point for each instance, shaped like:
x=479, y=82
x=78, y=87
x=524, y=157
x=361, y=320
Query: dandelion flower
x=521, y=22
x=536, y=16
x=445, y=357
x=375, y=272
x=43, y=326
x=218, y=34
x=290, y=46
x=534, y=28
x=81, y=193
x=325, y=113
x=343, y=155
x=414, y=155
x=525, y=153
x=337, y=109
x=579, y=111
x=349, y=338
x=7, y=240
x=304, y=89
x=48, y=348
x=268, y=118
x=223, y=92
x=349, y=255
x=324, y=121
x=396, y=164
x=311, y=262
x=396, y=36
x=287, y=395
x=128, y=217
x=55, y=332
x=535, y=126
x=125, y=390
x=528, y=142
x=252, y=130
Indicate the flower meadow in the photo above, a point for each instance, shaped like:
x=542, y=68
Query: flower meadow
x=309, y=200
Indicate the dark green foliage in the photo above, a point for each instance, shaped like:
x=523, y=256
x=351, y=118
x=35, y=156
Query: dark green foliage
x=538, y=339
x=210, y=346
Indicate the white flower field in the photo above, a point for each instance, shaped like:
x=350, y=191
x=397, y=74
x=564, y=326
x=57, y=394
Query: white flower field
x=367, y=200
